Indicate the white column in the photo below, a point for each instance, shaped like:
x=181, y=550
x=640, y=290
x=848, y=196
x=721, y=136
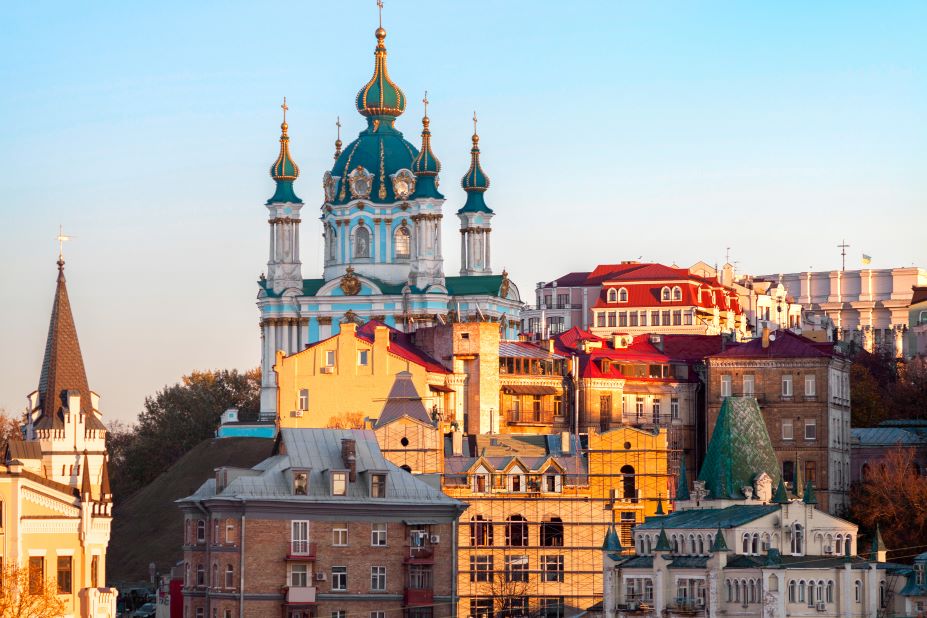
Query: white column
x=463, y=251
x=295, y=242
x=376, y=241
x=486, y=244
x=270, y=247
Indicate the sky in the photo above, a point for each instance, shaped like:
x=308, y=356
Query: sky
x=665, y=131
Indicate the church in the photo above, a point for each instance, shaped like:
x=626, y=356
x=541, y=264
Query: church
x=383, y=253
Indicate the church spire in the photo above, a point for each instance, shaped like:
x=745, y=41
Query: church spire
x=284, y=170
x=63, y=365
x=86, y=489
x=380, y=96
x=426, y=165
x=475, y=181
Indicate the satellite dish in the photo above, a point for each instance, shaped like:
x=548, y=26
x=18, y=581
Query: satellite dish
x=772, y=337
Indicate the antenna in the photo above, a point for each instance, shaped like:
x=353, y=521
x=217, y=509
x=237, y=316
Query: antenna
x=843, y=254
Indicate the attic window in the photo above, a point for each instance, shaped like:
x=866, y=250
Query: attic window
x=339, y=483
x=300, y=483
x=378, y=486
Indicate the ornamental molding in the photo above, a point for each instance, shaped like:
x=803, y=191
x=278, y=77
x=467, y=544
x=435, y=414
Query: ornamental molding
x=50, y=503
x=767, y=364
x=360, y=182
x=554, y=381
x=49, y=526
x=603, y=383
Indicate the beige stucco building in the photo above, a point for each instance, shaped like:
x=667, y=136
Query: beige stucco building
x=54, y=484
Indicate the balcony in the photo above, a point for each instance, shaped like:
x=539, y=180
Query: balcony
x=420, y=555
x=685, y=606
x=530, y=417
x=301, y=550
x=418, y=596
x=300, y=595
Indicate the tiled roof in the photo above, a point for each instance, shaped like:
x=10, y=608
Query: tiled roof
x=401, y=345
x=783, y=344
x=403, y=400
x=728, y=517
x=23, y=449
x=694, y=348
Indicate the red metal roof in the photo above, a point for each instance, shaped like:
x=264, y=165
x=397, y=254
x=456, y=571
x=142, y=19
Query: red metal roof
x=570, y=280
x=919, y=294
x=401, y=345
x=782, y=344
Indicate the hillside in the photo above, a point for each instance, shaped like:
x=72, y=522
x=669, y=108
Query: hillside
x=148, y=527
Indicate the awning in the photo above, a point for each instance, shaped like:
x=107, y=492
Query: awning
x=440, y=389
x=529, y=389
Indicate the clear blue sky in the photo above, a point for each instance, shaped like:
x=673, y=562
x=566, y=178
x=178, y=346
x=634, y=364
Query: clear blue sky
x=611, y=130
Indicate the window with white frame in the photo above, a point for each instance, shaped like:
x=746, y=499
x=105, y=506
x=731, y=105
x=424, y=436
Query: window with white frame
x=787, y=386
x=622, y=295
x=378, y=535
x=378, y=485
x=665, y=294
x=299, y=575
x=749, y=384
x=677, y=293
x=329, y=358
x=377, y=614
x=340, y=535
x=811, y=430
x=639, y=406
x=299, y=537
x=674, y=407
x=339, y=579
x=304, y=399
x=552, y=568
x=339, y=483
x=612, y=295
x=787, y=432
x=810, y=385
x=726, y=386
x=378, y=578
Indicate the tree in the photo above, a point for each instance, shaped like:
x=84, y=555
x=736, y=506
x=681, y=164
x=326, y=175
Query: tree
x=25, y=595
x=893, y=496
x=509, y=592
x=176, y=419
x=351, y=420
x=9, y=430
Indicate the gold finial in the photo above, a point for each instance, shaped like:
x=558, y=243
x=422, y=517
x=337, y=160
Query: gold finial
x=425, y=101
x=338, y=140
x=284, y=107
x=476, y=137
x=61, y=238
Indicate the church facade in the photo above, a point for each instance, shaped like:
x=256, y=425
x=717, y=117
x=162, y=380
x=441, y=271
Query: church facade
x=381, y=215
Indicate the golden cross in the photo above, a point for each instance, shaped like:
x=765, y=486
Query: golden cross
x=380, y=7
x=61, y=238
x=284, y=108
x=338, y=124
x=474, y=122
x=425, y=101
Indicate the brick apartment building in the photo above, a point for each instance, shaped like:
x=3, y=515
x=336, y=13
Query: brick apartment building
x=325, y=527
x=803, y=388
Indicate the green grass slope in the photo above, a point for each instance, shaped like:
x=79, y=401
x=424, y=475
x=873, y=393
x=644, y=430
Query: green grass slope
x=148, y=527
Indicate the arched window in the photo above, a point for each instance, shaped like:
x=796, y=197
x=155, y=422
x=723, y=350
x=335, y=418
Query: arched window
x=858, y=591
x=200, y=575
x=612, y=295
x=552, y=532
x=797, y=539
x=765, y=545
x=791, y=591
x=677, y=293
x=649, y=546
x=401, y=242
x=882, y=594
x=332, y=237
x=665, y=294
x=830, y=591
x=754, y=585
x=229, y=576
x=746, y=545
x=480, y=531
x=677, y=545
x=628, y=482
x=864, y=472
x=837, y=548
x=200, y=530
x=810, y=594
x=692, y=548
x=215, y=575
x=186, y=578
x=622, y=295
x=756, y=544
x=701, y=545
x=361, y=242
x=801, y=591
x=737, y=591
x=516, y=531
x=215, y=532
x=847, y=546
x=730, y=592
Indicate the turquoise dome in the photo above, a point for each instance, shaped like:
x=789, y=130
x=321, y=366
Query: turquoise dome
x=475, y=182
x=381, y=96
x=284, y=171
x=382, y=151
x=426, y=166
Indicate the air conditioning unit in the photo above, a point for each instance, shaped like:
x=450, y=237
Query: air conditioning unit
x=328, y=369
x=297, y=413
x=821, y=606
x=828, y=549
x=320, y=577
x=435, y=539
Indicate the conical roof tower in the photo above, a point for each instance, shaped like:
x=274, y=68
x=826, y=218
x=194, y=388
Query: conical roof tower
x=739, y=450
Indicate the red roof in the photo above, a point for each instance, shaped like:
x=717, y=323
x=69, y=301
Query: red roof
x=570, y=280
x=695, y=291
x=782, y=344
x=919, y=295
x=401, y=345
x=694, y=348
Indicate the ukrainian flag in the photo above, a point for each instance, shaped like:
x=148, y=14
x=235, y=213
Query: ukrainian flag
x=867, y=259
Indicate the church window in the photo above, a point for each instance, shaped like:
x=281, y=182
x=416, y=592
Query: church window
x=401, y=242
x=797, y=539
x=332, y=238
x=361, y=242
x=612, y=295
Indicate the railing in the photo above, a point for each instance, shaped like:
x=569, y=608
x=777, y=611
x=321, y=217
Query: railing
x=418, y=596
x=686, y=604
x=98, y=601
x=546, y=307
x=425, y=554
x=530, y=417
x=302, y=549
x=300, y=594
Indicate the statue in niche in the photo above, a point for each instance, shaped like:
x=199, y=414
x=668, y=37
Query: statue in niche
x=361, y=242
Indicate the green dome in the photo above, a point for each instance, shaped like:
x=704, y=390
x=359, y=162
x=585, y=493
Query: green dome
x=284, y=171
x=380, y=97
x=381, y=151
x=426, y=166
x=475, y=182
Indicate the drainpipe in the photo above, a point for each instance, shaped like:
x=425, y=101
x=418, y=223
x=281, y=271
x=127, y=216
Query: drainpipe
x=208, y=538
x=241, y=566
x=454, y=565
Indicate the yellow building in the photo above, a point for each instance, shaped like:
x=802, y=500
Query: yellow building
x=54, y=486
x=351, y=373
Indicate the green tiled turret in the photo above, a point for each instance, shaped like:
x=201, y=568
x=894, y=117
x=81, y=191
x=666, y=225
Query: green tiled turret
x=682, y=486
x=718, y=544
x=739, y=450
x=663, y=541
x=426, y=165
x=284, y=170
x=475, y=181
x=781, y=496
x=612, y=542
x=809, y=497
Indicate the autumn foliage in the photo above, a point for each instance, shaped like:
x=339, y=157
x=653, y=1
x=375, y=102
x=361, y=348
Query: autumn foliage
x=22, y=596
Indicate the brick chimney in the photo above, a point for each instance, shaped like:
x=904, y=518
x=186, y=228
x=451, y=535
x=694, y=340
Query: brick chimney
x=765, y=337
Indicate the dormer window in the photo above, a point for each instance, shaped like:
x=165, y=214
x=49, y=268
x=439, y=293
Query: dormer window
x=612, y=295
x=665, y=294
x=677, y=293
x=552, y=483
x=480, y=483
x=378, y=485
x=339, y=483
x=300, y=483
x=623, y=295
